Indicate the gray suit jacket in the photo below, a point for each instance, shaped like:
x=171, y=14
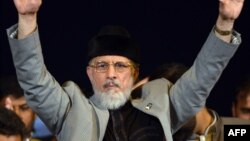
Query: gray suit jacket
x=73, y=117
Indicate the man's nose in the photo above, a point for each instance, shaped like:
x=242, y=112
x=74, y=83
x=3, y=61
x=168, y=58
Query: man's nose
x=111, y=73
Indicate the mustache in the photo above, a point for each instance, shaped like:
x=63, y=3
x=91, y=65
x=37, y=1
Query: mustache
x=109, y=82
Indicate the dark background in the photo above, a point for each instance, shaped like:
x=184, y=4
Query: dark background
x=168, y=31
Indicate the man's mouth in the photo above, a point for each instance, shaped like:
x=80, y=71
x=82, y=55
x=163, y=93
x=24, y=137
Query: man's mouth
x=111, y=85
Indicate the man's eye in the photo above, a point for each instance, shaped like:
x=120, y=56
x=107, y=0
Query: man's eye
x=120, y=65
x=101, y=65
x=24, y=108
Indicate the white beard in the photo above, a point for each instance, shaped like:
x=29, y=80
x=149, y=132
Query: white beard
x=111, y=99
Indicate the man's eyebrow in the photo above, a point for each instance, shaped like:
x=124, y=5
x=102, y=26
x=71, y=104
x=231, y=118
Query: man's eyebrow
x=24, y=104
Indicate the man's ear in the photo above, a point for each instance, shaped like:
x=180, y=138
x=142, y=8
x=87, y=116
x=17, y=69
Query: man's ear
x=89, y=73
x=136, y=74
x=8, y=103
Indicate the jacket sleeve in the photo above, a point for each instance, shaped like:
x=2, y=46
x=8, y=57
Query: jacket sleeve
x=190, y=92
x=43, y=93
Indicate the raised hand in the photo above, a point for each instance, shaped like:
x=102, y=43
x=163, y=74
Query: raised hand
x=230, y=9
x=27, y=15
x=25, y=7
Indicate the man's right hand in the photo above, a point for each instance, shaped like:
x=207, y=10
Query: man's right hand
x=27, y=7
x=27, y=15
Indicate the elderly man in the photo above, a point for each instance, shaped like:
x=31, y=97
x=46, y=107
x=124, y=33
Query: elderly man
x=113, y=67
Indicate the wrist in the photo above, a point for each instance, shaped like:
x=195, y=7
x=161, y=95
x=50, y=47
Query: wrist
x=26, y=25
x=223, y=24
x=222, y=32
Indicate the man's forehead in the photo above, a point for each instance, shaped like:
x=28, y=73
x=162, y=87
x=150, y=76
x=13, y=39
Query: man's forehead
x=18, y=101
x=110, y=58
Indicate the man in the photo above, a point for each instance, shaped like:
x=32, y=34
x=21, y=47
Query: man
x=12, y=97
x=241, y=103
x=11, y=126
x=112, y=70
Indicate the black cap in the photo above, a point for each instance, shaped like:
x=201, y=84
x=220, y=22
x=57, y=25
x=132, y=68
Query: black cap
x=113, y=40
